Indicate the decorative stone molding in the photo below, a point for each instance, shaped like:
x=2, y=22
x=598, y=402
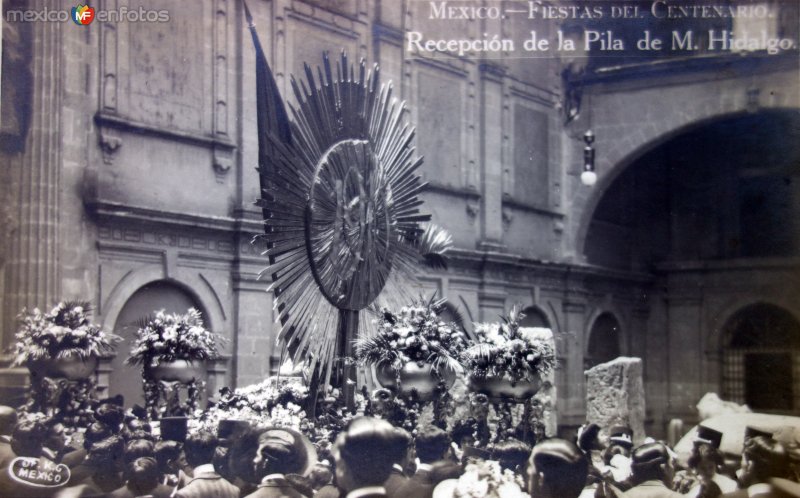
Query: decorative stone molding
x=110, y=142
x=223, y=161
x=508, y=217
x=473, y=210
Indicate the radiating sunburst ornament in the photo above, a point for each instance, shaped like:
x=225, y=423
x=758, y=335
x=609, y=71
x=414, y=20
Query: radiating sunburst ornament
x=341, y=206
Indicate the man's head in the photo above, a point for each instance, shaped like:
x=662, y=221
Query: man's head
x=199, y=448
x=110, y=414
x=402, y=448
x=432, y=443
x=512, y=454
x=763, y=458
x=557, y=469
x=705, y=460
x=28, y=438
x=8, y=419
x=364, y=454
x=168, y=456
x=106, y=456
x=142, y=475
x=280, y=451
x=652, y=462
x=56, y=438
x=94, y=433
x=138, y=448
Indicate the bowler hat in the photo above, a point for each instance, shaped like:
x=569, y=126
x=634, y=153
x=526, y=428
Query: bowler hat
x=650, y=454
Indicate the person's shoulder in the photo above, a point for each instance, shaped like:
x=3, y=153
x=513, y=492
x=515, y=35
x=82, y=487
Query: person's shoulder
x=328, y=491
x=739, y=493
x=275, y=492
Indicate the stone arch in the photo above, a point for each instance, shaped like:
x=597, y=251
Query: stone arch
x=196, y=286
x=757, y=367
x=536, y=316
x=716, y=338
x=628, y=150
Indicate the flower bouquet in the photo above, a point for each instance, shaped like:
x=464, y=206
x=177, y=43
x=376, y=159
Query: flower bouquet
x=508, y=361
x=486, y=479
x=172, y=346
x=62, y=342
x=265, y=404
x=414, y=349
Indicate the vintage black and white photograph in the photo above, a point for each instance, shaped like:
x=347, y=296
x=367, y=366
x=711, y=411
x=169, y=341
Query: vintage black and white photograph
x=400, y=248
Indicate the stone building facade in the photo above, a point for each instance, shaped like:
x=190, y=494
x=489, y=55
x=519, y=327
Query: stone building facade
x=130, y=151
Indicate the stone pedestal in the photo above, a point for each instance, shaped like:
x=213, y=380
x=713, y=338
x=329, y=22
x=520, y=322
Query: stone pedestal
x=615, y=395
x=547, y=395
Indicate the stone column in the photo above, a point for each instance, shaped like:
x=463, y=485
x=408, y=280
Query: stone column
x=685, y=355
x=491, y=154
x=573, y=397
x=32, y=276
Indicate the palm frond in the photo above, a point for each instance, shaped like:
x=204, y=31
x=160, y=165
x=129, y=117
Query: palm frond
x=373, y=350
x=439, y=358
x=431, y=244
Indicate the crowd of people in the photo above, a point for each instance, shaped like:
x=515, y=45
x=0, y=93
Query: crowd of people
x=120, y=455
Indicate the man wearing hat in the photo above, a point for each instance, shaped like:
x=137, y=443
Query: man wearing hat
x=621, y=435
x=364, y=457
x=281, y=451
x=763, y=459
x=199, y=450
x=652, y=472
x=557, y=469
x=706, y=459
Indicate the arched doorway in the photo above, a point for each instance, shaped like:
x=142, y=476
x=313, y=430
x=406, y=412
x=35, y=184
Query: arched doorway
x=603, y=341
x=534, y=318
x=761, y=359
x=153, y=297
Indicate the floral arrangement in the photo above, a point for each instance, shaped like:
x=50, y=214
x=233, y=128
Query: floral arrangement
x=416, y=334
x=274, y=404
x=485, y=479
x=63, y=332
x=504, y=350
x=262, y=405
x=169, y=337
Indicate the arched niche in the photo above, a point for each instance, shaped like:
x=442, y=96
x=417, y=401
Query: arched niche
x=534, y=317
x=146, y=301
x=604, y=340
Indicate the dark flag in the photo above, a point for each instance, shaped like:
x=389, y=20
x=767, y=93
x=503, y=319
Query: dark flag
x=273, y=121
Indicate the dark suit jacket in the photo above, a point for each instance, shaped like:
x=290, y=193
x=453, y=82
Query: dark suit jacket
x=420, y=485
x=275, y=488
x=208, y=484
x=395, y=481
x=160, y=491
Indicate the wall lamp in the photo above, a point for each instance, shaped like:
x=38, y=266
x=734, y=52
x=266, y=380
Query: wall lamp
x=588, y=177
